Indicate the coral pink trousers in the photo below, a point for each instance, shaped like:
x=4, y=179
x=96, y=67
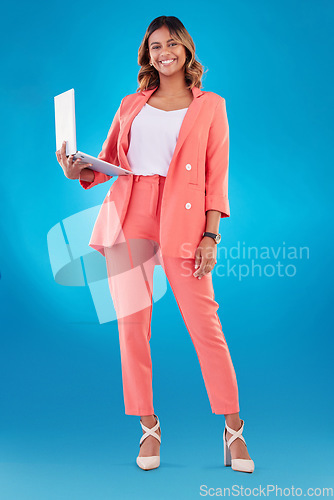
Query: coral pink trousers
x=130, y=265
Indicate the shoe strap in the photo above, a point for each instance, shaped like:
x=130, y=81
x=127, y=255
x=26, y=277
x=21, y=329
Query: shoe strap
x=150, y=431
x=235, y=434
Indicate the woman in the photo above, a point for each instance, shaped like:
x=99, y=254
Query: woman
x=169, y=127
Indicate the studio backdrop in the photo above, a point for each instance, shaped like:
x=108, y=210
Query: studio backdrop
x=63, y=431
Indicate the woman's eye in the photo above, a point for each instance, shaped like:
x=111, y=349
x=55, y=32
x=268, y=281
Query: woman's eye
x=156, y=47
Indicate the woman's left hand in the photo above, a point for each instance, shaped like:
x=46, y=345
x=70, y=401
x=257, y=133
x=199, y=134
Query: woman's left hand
x=205, y=257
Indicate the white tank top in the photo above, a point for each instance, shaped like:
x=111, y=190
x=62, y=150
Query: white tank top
x=153, y=136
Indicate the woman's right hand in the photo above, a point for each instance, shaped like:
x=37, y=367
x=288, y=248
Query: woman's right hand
x=71, y=168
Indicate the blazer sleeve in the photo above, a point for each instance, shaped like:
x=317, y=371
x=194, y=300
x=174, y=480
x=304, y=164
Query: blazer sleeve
x=217, y=159
x=108, y=153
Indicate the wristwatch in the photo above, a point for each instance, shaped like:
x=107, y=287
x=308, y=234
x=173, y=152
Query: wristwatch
x=216, y=237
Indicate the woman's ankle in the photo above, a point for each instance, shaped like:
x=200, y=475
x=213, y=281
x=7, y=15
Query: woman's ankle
x=148, y=420
x=233, y=420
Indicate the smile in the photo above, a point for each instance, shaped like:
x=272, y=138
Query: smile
x=168, y=62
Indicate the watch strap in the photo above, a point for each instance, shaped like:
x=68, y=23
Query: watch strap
x=214, y=236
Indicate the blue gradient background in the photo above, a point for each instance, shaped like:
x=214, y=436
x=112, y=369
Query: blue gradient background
x=63, y=431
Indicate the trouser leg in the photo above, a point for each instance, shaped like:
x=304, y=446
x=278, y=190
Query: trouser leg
x=130, y=267
x=196, y=301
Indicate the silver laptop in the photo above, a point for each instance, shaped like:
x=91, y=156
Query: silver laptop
x=66, y=131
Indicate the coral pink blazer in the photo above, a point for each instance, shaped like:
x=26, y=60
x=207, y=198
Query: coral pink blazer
x=197, y=179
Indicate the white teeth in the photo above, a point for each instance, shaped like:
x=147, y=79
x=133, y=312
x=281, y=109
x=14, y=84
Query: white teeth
x=167, y=62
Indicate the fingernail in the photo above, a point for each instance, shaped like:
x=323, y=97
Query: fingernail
x=196, y=266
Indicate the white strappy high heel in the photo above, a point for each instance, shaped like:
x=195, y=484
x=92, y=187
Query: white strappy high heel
x=239, y=464
x=151, y=462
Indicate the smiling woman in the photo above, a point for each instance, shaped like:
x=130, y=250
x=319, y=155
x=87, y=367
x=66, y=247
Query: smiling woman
x=174, y=138
x=168, y=50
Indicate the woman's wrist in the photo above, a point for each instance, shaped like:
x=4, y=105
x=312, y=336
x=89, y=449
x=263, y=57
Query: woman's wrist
x=87, y=174
x=212, y=221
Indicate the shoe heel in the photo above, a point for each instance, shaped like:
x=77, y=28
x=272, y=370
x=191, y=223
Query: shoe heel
x=148, y=463
x=238, y=464
x=227, y=453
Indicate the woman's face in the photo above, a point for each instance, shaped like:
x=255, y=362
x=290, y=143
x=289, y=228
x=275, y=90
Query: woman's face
x=162, y=47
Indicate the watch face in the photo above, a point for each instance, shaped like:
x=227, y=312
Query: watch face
x=218, y=238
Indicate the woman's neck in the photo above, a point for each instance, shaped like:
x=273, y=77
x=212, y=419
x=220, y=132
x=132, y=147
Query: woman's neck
x=172, y=87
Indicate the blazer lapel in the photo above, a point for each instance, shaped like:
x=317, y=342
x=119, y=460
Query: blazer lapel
x=188, y=121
